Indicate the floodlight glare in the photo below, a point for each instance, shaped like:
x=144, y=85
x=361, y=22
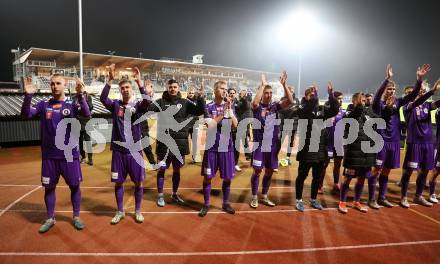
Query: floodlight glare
x=299, y=29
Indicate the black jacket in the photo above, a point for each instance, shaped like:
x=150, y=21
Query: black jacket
x=188, y=109
x=241, y=107
x=311, y=110
x=353, y=154
x=290, y=113
x=84, y=119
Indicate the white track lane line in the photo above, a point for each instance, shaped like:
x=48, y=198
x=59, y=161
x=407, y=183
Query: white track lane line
x=148, y=188
x=214, y=211
x=219, y=253
x=18, y=200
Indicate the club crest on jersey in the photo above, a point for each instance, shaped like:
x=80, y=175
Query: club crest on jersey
x=425, y=110
x=66, y=112
x=179, y=106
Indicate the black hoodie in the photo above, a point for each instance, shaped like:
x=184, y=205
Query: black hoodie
x=186, y=109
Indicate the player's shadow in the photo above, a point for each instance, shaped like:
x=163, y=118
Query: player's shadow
x=36, y=213
x=95, y=208
x=283, y=182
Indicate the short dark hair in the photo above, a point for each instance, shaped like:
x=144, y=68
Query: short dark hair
x=337, y=94
x=232, y=89
x=368, y=95
x=171, y=81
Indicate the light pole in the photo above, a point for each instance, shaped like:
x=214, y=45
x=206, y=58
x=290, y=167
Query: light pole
x=296, y=31
x=80, y=40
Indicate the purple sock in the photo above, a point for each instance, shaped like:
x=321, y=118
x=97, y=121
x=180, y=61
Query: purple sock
x=255, y=180
x=176, y=181
x=420, y=183
x=358, y=191
x=50, y=200
x=432, y=187
x=372, y=187
x=160, y=180
x=404, y=182
x=226, y=188
x=138, y=193
x=206, y=192
x=266, y=182
x=119, y=193
x=344, y=190
x=75, y=197
x=383, y=186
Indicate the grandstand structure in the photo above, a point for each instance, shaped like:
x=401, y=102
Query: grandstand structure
x=41, y=63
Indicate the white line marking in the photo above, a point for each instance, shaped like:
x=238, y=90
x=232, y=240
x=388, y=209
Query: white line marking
x=148, y=188
x=214, y=211
x=18, y=200
x=218, y=253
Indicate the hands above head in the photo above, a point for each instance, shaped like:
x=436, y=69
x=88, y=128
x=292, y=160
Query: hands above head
x=80, y=86
x=389, y=72
x=422, y=71
x=28, y=86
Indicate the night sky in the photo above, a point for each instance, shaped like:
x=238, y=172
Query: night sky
x=361, y=36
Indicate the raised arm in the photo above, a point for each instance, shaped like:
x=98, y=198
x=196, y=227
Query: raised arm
x=257, y=98
x=333, y=105
x=287, y=93
x=436, y=87
x=27, y=111
x=421, y=73
x=229, y=112
x=107, y=102
x=146, y=92
x=84, y=107
x=378, y=95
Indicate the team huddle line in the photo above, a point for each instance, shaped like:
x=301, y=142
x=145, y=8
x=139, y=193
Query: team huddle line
x=364, y=139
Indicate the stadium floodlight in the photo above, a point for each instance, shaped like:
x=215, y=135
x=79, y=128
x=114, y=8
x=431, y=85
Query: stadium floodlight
x=298, y=31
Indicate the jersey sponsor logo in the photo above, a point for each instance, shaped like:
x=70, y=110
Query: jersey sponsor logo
x=257, y=163
x=49, y=113
x=413, y=165
x=66, y=112
x=114, y=175
x=379, y=162
x=45, y=180
x=121, y=111
x=57, y=106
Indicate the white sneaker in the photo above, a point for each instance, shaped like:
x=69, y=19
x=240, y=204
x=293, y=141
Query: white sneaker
x=237, y=168
x=254, y=203
x=138, y=217
x=433, y=199
x=117, y=218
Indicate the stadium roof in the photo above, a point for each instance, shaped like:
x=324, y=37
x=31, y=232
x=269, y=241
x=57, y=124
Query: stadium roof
x=97, y=60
